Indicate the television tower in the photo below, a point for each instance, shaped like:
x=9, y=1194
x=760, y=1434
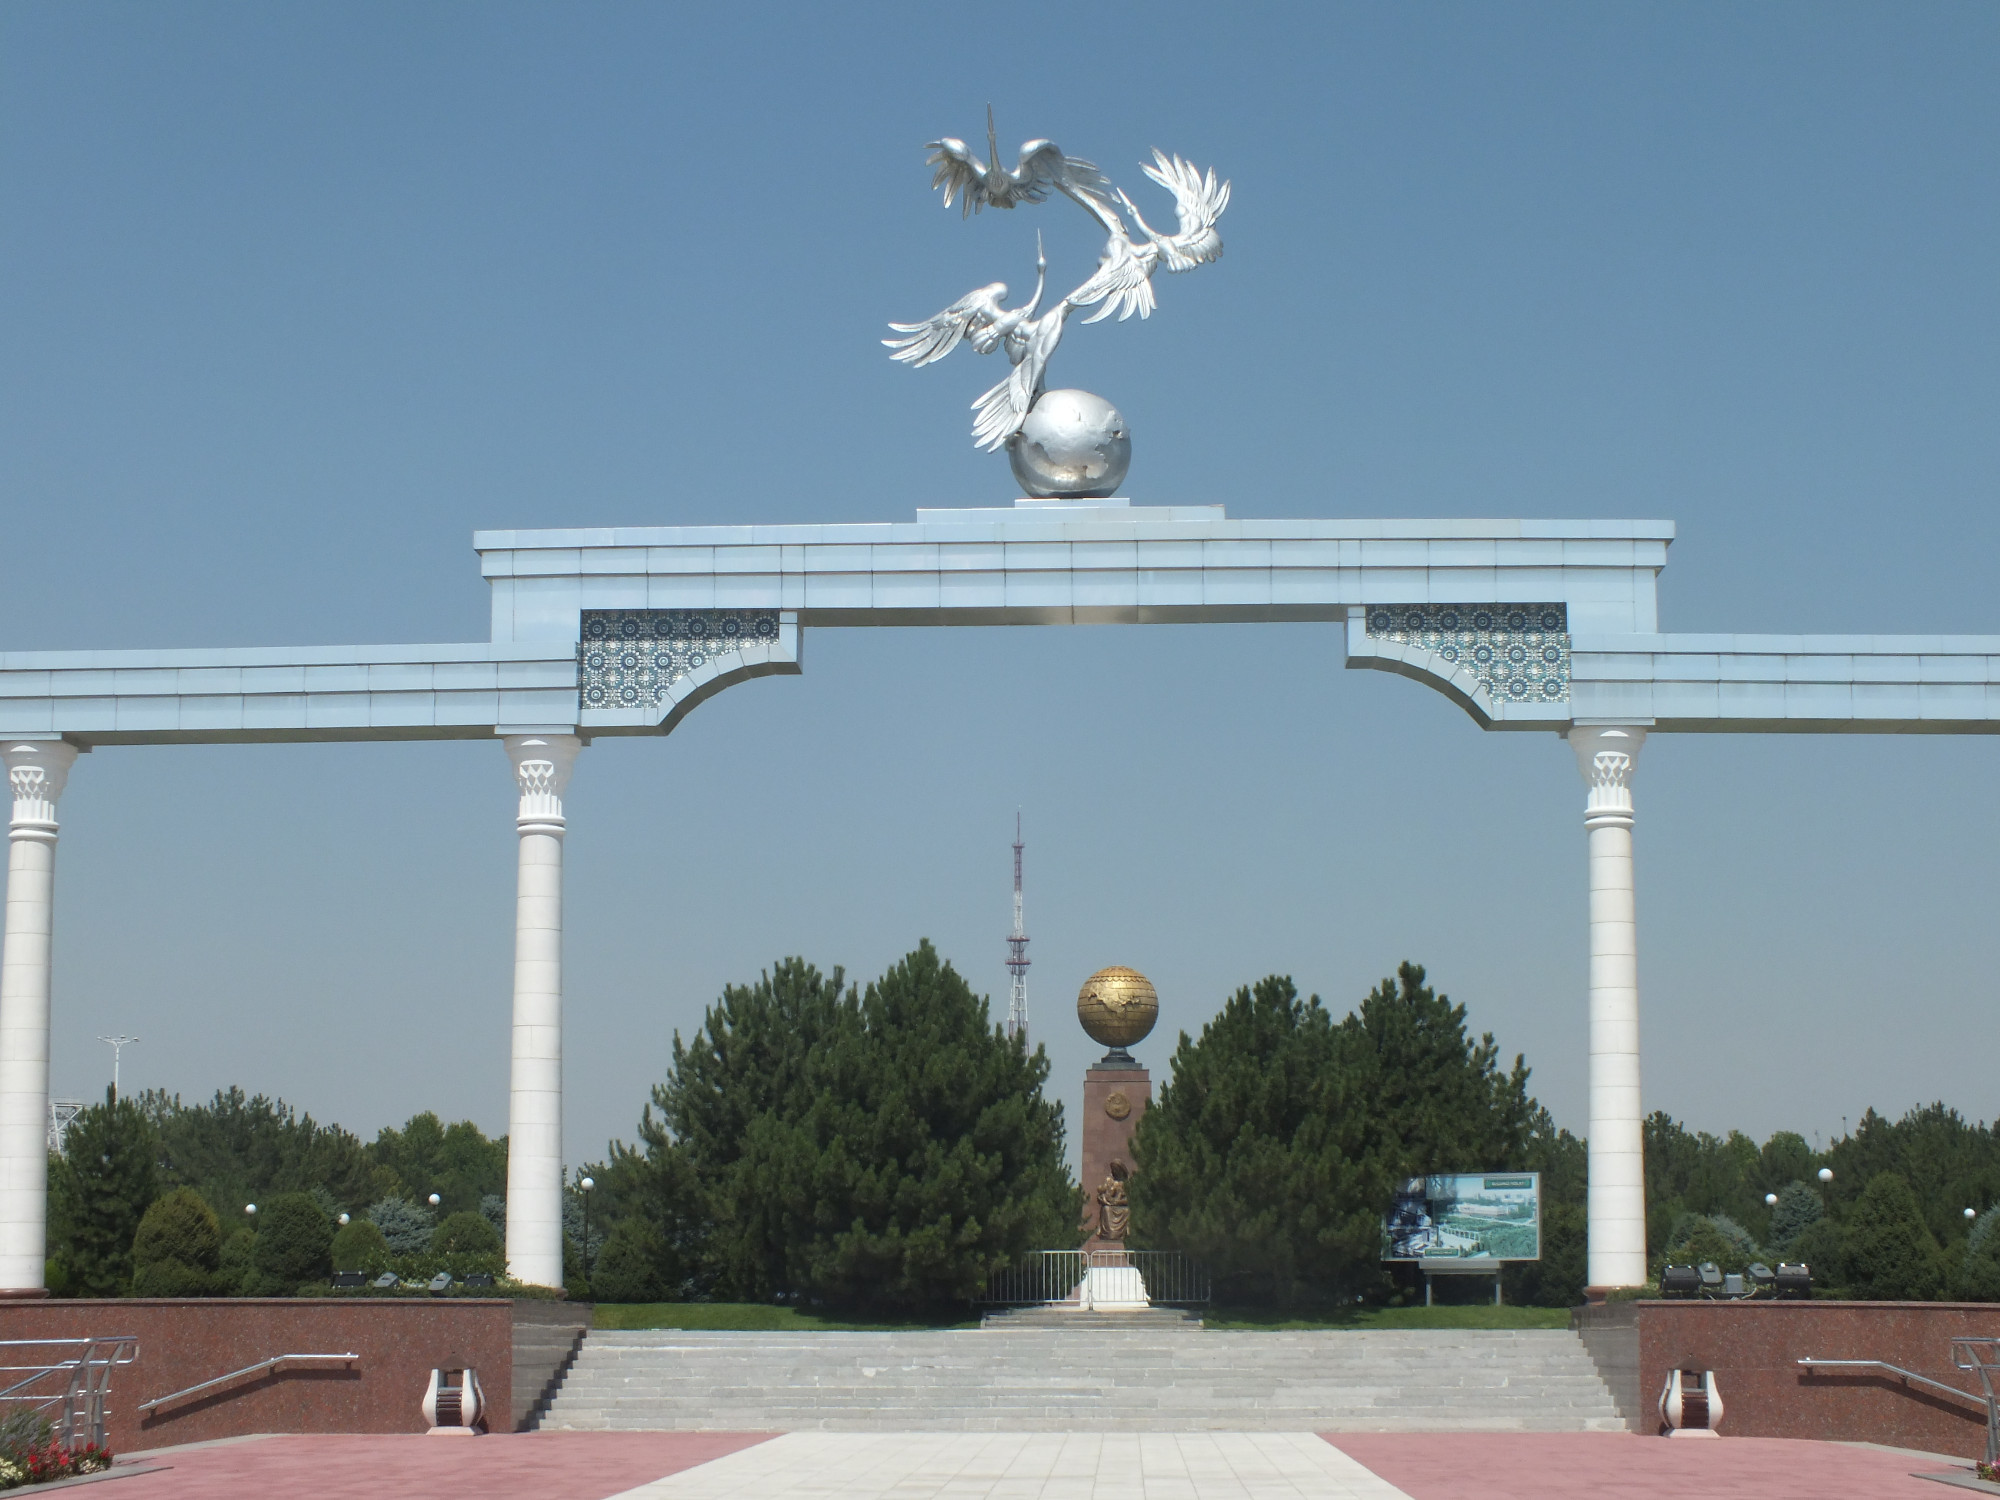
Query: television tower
x=1017, y=953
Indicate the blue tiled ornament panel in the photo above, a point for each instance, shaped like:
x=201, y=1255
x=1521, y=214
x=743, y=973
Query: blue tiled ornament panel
x=1518, y=652
x=630, y=657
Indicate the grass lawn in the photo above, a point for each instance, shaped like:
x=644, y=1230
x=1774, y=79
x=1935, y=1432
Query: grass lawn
x=1477, y=1315
x=750, y=1317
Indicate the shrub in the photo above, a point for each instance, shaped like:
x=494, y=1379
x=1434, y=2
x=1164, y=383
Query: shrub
x=178, y=1249
x=493, y=1208
x=465, y=1234
x=628, y=1268
x=1697, y=1238
x=1891, y=1253
x=359, y=1246
x=294, y=1245
x=405, y=1225
x=238, y=1249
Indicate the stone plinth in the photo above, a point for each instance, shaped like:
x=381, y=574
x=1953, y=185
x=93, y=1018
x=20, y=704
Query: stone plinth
x=1115, y=1096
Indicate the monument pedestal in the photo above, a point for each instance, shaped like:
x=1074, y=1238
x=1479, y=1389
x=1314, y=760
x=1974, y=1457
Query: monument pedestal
x=1116, y=1092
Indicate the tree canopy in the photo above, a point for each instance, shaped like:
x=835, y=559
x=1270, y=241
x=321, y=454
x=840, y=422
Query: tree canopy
x=1273, y=1151
x=889, y=1148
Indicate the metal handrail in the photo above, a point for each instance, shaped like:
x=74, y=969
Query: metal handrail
x=1878, y=1364
x=259, y=1368
x=1973, y=1346
x=81, y=1418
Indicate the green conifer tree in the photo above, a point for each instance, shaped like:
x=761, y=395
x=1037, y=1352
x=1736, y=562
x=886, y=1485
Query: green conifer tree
x=1890, y=1251
x=113, y=1176
x=1258, y=1159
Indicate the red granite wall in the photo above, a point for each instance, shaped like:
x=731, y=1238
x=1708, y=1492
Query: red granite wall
x=1754, y=1349
x=182, y=1343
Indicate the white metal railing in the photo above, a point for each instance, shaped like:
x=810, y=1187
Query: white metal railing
x=1960, y=1349
x=1051, y=1278
x=85, y=1375
x=259, y=1368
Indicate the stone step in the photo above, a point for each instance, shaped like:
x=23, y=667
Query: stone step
x=1097, y=1378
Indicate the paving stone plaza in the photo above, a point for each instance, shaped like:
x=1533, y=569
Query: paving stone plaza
x=1296, y=1465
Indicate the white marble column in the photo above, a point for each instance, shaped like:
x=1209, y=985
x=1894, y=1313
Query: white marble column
x=1607, y=755
x=36, y=771
x=542, y=764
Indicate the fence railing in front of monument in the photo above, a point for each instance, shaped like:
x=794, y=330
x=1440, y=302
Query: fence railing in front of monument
x=1172, y=1278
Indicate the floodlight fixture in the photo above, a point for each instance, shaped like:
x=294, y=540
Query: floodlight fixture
x=1826, y=1174
x=440, y=1281
x=1795, y=1280
x=1761, y=1277
x=1680, y=1281
x=1711, y=1275
x=386, y=1280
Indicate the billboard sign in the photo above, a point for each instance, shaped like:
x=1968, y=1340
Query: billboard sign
x=1469, y=1217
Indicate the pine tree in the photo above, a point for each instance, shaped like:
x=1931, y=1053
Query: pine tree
x=294, y=1246
x=1438, y=1100
x=1891, y=1254
x=113, y=1176
x=926, y=1159
x=1256, y=1157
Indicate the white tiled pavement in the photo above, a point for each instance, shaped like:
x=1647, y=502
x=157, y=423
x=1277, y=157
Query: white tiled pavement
x=1028, y=1466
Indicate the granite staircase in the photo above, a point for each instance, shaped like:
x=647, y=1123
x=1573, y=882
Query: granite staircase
x=1097, y=1377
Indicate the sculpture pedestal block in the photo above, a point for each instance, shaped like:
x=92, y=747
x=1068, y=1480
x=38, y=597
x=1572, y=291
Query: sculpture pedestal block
x=1115, y=1096
x=1114, y=1289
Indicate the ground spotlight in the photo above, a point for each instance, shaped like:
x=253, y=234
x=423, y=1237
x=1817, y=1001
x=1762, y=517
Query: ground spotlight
x=1680, y=1281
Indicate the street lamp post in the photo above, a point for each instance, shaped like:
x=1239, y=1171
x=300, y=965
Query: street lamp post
x=586, y=1183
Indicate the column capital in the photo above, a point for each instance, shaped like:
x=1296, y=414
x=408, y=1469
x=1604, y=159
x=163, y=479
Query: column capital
x=542, y=766
x=1607, y=755
x=37, y=770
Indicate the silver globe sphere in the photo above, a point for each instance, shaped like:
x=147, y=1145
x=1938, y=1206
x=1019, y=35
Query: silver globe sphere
x=1072, y=446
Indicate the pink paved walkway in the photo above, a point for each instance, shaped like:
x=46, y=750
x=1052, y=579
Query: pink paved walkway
x=1557, y=1466
x=518, y=1466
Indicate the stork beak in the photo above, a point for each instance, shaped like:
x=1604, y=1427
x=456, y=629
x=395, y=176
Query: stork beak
x=992, y=140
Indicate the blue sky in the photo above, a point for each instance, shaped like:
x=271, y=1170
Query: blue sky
x=297, y=297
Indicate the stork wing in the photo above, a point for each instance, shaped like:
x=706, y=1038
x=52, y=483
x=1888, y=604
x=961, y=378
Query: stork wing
x=999, y=413
x=931, y=340
x=1043, y=166
x=1123, y=281
x=1199, y=201
x=958, y=171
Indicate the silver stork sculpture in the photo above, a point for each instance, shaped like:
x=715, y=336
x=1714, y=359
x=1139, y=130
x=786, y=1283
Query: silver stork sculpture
x=1061, y=443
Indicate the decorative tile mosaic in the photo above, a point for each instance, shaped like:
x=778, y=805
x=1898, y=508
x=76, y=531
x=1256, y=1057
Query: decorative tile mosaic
x=1518, y=652
x=630, y=657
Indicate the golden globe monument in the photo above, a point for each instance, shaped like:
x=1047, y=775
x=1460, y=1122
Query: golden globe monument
x=1117, y=1008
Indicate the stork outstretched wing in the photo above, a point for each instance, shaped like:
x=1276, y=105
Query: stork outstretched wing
x=1123, y=281
x=1042, y=166
x=931, y=340
x=1198, y=202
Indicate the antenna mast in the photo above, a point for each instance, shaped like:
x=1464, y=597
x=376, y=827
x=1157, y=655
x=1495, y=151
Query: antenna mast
x=1017, y=952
